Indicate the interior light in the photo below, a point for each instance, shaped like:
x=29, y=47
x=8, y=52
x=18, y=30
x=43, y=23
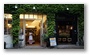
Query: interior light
x=26, y=24
x=9, y=25
x=71, y=27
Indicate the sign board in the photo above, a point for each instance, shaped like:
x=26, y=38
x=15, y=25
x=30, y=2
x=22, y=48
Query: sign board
x=53, y=41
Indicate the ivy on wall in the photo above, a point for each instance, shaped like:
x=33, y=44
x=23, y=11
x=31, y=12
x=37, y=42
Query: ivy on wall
x=51, y=24
x=50, y=10
x=15, y=28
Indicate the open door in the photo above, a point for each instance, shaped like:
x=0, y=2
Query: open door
x=32, y=26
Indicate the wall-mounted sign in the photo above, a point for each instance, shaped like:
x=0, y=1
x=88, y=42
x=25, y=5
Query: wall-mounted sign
x=53, y=41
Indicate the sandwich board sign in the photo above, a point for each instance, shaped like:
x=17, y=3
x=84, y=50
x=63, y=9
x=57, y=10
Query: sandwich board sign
x=53, y=41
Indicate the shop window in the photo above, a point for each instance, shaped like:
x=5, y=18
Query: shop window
x=28, y=16
x=64, y=31
x=7, y=23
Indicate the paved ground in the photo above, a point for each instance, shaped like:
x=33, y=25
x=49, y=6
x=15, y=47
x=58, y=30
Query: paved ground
x=33, y=47
x=69, y=47
x=57, y=47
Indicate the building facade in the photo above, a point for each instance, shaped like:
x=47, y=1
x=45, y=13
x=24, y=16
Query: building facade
x=35, y=23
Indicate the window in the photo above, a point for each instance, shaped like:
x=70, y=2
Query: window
x=7, y=23
x=28, y=16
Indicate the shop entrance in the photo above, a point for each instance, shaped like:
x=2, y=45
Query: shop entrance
x=35, y=23
x=32, y=29
x=66, y=27
x=65, y=32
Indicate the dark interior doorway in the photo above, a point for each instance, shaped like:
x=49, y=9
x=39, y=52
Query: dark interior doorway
x=65, y=32
x=66, y=28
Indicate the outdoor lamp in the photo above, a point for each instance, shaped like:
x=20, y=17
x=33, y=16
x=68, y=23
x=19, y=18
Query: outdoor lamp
x=34, y=7
x=14, y=9
x=67, y=8
x=16, y=6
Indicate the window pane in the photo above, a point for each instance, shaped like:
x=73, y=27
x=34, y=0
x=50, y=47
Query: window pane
x=26, y=16
x=21, y=16
x=7, y=23
x=31, y=16
x=35, y=16
x=40, y=16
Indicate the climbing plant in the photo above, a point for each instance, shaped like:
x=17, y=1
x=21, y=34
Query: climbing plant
x=50, y=10
x=15, y=28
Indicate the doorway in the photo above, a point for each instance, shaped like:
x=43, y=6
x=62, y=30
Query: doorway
x=34, y=23
x=66, y=27
x=32, y=26
x=65, y=32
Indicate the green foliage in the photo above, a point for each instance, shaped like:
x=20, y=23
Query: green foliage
x=15, y=28
x=51, y=24
x=20, y=11
x=50, y=10
x=45, y=37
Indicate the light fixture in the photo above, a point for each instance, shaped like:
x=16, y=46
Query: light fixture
x=71, y=27
x=31, y=26
x=16, y=6
x=34, y=7
x=26, y=24
x=9, y=25
x=67, y=8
